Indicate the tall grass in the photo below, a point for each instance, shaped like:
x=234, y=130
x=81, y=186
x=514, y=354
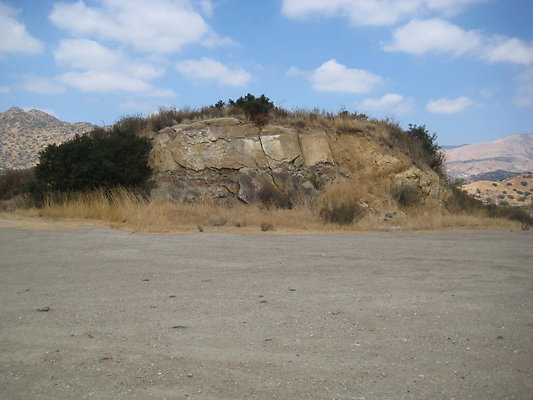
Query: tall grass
x=126, y=209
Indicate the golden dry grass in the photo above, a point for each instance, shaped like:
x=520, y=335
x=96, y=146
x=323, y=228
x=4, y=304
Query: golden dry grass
x=123, y=209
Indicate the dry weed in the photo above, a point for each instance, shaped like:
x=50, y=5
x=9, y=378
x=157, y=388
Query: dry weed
x=128, y=210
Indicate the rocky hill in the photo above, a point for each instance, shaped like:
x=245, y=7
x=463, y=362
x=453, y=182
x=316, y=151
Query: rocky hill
x=229, y=159
x=509, y=154
x=24, y=134
x=517, y=190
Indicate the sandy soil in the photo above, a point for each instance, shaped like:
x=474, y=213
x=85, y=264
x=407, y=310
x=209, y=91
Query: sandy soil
x=443, y=315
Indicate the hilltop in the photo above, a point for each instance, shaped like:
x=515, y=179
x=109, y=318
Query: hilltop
x=23, y=134
x=249, y=163
x=509, y=154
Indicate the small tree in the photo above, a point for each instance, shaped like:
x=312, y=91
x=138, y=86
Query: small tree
x=428, y=142
x=255, y=108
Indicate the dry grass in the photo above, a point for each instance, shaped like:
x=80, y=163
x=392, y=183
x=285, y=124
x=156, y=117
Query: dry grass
x=123, y=209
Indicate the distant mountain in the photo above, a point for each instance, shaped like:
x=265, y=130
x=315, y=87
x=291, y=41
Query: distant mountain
x=24, y=134
x=450, y=147
x=493, y=176
x=510, y=154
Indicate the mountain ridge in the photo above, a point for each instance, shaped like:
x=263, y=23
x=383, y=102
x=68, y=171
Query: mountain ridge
x=23, y=134
x=513, y=153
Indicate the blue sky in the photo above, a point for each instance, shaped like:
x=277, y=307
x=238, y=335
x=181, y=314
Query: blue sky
x=464, y=68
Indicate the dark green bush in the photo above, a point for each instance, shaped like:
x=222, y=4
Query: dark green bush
x=342, y=214
x=255, y=108
x=406, y=194
x=99, y=159
x=428, y=141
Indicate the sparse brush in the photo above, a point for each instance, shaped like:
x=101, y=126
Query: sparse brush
x=15, y=182
x=406, y=194
x=267, y=226
x=342, y=214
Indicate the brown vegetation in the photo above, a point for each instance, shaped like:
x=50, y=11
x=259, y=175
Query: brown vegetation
x=127, y=210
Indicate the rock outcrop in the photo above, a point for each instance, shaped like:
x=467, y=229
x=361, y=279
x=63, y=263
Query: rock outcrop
x=232, y=160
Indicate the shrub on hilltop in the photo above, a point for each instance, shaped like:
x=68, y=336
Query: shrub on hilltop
x=255, y=108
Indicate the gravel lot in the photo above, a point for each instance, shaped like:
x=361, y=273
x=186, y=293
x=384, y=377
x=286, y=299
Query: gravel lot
x=441, y=315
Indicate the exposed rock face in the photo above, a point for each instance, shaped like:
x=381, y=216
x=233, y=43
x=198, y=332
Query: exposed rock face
x=229, y=159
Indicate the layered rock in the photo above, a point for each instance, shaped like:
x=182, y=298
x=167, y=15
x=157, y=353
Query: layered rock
x=232, y=160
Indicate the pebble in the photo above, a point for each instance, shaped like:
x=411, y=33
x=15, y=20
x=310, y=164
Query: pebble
x=43, y=309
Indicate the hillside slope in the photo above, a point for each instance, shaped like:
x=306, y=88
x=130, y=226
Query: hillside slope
x=24, y=134
x=517, y=190
x=512, y=153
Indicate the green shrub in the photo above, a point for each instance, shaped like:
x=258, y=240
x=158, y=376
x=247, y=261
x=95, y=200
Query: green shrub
x=255, y=108
x=99, y=159
x=459, y=200
x=406, y=194
x=342, y=214
x=428, y=141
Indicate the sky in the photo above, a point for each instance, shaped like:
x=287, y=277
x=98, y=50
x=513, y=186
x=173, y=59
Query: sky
x=462, y=68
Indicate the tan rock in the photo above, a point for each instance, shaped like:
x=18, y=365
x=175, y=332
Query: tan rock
x=197, y=154
x=315, y=149
x=282, y=146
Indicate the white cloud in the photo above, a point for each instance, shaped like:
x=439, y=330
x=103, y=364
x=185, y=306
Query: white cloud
x=91, y=55
x=449, y=106
x=37, y=84
x=86, y=54
x=419, y=37
x=504, y=49
x=111, y=82
x=334, y=77
x=14, y=38
x=103, y=70
x=4, y=90
x=157, y=26
x=372, y=12
x=437, y=35
x=294, y=71
x=208, y=70
x=389, y=103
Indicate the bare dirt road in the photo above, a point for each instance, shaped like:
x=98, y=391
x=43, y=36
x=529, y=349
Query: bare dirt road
x=443, y=315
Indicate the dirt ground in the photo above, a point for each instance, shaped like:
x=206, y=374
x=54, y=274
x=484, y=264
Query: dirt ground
x=442, y=315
